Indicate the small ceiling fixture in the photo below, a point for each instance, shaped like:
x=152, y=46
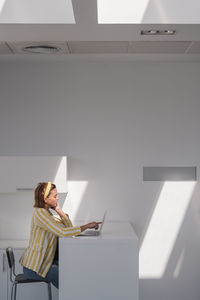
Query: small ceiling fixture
x=43, y=49
x=157, y=32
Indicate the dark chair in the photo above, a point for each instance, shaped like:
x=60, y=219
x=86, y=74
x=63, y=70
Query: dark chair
x=20, y=278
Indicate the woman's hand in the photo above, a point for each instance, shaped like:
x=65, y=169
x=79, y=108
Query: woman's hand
x=57, y=208
x=94, y=225
x=59, y=211
x=90, y=226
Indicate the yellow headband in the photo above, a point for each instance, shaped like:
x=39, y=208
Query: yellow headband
x=47, y=189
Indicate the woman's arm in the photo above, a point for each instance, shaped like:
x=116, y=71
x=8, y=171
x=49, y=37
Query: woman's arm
x=59, y=211
x=44, y=220
x=64, y=217
x=83, y=227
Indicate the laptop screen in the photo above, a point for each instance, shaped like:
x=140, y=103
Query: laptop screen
x=103, y=220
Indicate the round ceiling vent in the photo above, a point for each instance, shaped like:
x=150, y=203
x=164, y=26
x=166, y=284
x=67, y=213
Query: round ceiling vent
x=43, y=49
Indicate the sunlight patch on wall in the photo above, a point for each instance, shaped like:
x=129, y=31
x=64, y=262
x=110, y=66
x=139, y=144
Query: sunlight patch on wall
x=2, y=3
x=163, y=228
x=61, y=176
x=121, y=11
x=179, y=264
x=75, y=195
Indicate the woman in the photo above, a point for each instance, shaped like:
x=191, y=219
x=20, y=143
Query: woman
x=39, y=259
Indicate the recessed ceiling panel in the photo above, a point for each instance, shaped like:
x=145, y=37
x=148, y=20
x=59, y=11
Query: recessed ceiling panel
x=36, y=12
x=158, y=47
x=98, y=47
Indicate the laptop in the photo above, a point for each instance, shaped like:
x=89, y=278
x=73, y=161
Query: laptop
x=93, y=232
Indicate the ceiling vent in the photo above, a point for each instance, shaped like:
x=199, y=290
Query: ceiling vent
x=42, y=49
x=39, y=47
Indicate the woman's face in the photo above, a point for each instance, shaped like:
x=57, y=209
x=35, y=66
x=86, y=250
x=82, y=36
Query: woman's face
x=52, y=199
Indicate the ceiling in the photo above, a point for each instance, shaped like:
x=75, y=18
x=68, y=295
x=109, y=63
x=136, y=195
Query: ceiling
x=95, y=32
x=89, y=36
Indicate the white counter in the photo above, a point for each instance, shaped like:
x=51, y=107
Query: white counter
x=104, y=267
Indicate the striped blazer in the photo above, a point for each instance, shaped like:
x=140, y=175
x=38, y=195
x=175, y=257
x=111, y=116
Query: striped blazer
x=45, y=230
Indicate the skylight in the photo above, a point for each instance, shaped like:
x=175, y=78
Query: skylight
x=37, y=11
x=148, y=11
x=121, y=11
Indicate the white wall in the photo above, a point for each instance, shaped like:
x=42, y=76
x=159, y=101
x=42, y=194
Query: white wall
x=111, y=118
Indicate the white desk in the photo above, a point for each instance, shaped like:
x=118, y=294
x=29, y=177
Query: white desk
x=100, y=268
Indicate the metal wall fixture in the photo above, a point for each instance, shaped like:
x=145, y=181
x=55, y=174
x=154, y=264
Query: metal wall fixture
x=157, y=32
x=169, y=173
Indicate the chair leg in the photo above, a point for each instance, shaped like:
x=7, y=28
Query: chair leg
x=11, y=297
x=49, y=291
x=15, y=291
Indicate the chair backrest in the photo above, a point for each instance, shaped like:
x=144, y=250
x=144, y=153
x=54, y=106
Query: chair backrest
x=10, y=257
x=11, y=262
